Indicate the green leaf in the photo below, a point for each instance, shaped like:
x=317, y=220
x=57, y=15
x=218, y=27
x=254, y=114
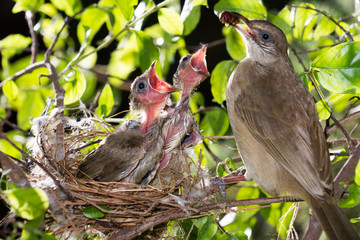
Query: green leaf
x=92, y=18
x=219, y=79
x=208, y=230
x=2, y=113
x=200, y=2
x=23, y=5
x=127, y=7
x=355, y=220
x=357, y=174
x=338, y=69
x=199, y=222
x=28, y=203
x=353, y=199
x=287, y=211
x=170, y=21
x=16, y=137
x=93, y=212
x=70, y=7
x=13, y=44
x=106, y=102
x=124, y=60
x=190, y=16
x=324, y=28
x=147, y=51
x=305, y=19
x=74, y=87
x=215, y=122
x=10, y=90
x=323, y=110
x=90, y=61
x=235, y=46
x=31, y=103
x=249, y=8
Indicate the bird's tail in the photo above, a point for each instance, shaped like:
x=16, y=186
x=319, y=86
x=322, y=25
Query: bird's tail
x=333, y=221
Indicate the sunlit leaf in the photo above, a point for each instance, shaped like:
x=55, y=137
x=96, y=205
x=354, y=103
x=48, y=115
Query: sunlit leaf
x=353, y=199
x=28, y=203
x=249, y=8
x=126, y=7
x=70, y=7
x=148, y=52
x=23, y=5
x=74, y=87
x=91, y=18
x=215, y=122
x=357, y=174
x=324, y=28
x=17, y=138
x=13, y=44
x=219, y=79
x=200, y=2
x=10, y=90
x=170, y=21
x=234, y=44
x=124, y=60
x=304, y=19
x=199, y=222
x=323, y=110
x=190, y=16
x=90, y=61
x=338, y=69
x=106, y=102
x=31, y=103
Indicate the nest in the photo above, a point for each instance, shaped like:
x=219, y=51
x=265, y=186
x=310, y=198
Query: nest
x=59, y=146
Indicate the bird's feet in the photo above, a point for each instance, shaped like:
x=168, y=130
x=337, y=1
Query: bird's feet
x=233, y=177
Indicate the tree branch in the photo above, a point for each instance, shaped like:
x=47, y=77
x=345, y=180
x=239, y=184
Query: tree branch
x=131, y=232
x=29, y=16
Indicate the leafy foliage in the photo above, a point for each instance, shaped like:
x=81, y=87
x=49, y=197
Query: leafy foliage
x=323, y=52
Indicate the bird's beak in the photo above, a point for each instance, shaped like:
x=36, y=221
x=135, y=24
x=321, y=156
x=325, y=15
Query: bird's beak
x=156, y=83
x=233, y=19
x=198, y=61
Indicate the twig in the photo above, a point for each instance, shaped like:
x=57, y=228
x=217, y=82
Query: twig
x=218, y=137
x=331, y=129
x=341, y=143
x=16, y=174
x=133, y=231
x=216, y=158
x=57, y=183
x=298, y=58
x=14, y=126
x=317, y=49
x=28, y=69
x=153, y=9
x=203, y=109
x=326, y=15
x=347, y=171
x=29, y=16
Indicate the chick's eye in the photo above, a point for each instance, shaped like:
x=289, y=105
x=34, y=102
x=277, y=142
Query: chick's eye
x=141, y=86
x=265, y=36
x=186, y=58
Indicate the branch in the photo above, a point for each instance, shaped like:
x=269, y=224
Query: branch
x=153, y=9
x=326, y=15
x=347, y=171
x=31, y=158
x=29, y=16
x=131, y=232
x=15, y=173
x=331, y=129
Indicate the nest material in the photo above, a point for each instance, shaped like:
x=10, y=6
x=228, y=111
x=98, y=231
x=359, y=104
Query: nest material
x=129, y=204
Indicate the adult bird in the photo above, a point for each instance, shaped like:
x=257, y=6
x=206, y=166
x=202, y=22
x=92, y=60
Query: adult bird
x=276, y=126
x=129, y=153
x=180, y=129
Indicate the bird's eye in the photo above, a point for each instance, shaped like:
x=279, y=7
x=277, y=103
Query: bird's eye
x=265, y=36
x=141, y=86
x=185, y=59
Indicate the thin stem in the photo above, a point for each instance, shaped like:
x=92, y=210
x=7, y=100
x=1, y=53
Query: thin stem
x=326, y=15
x=107, y=43
x=29, y=16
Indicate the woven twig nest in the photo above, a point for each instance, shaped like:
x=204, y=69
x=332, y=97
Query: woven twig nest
x=61, y=144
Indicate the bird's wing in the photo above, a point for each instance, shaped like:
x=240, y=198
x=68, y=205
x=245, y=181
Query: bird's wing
x=115, y=158
x=299, y=148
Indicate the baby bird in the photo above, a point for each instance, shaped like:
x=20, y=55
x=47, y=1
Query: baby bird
x=128, y=153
